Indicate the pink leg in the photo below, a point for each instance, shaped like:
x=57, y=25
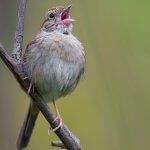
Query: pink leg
x=58, y=117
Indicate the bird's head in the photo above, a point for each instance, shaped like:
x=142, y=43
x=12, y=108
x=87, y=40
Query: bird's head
x=58, y=18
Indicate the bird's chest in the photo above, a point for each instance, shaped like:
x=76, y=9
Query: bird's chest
x=56, y=66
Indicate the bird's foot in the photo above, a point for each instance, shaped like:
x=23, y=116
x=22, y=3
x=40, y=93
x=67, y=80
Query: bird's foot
x=58, y=118
x=30, y=86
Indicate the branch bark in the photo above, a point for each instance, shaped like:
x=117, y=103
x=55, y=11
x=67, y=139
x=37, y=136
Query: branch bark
x=14, y=64
x=17, y=50
x=58, y=144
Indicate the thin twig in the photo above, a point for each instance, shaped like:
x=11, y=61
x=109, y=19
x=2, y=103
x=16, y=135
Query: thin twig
x=58, y=144
x=17, y=51
x=15, y=66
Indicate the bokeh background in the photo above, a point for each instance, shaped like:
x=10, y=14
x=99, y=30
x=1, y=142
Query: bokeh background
x=110, y=109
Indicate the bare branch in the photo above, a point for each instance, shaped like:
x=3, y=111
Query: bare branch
x=17, y=51
x=7, y=59
x=58, y=144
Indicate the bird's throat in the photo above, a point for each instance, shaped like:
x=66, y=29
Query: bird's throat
x=64, y=29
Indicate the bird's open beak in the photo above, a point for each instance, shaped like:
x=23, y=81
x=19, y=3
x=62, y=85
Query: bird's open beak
x=67, y=8
x=65, y=16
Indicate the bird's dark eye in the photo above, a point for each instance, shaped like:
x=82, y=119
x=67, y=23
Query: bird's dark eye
x=51, y=15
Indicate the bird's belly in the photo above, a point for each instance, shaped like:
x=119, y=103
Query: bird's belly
x=55, y=78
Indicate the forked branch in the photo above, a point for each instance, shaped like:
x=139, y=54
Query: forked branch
x=14, y=63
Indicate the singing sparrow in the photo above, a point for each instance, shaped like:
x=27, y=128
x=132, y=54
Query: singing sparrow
x=54, y=62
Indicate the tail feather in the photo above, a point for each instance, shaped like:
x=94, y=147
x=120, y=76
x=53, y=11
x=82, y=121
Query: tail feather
x=27, y=127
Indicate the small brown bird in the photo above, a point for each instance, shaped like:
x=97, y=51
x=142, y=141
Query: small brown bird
x=54, y=62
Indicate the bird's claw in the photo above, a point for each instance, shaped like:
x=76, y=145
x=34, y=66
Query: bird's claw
x=59, y=125
x=25, y=78
x=30, y=86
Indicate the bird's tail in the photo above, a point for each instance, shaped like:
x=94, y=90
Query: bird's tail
x=27, y=127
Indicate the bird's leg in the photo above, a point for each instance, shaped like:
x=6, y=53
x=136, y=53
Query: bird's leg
x=58, y=117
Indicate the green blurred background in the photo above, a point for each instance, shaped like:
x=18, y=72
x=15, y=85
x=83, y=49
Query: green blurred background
x=110, y=109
